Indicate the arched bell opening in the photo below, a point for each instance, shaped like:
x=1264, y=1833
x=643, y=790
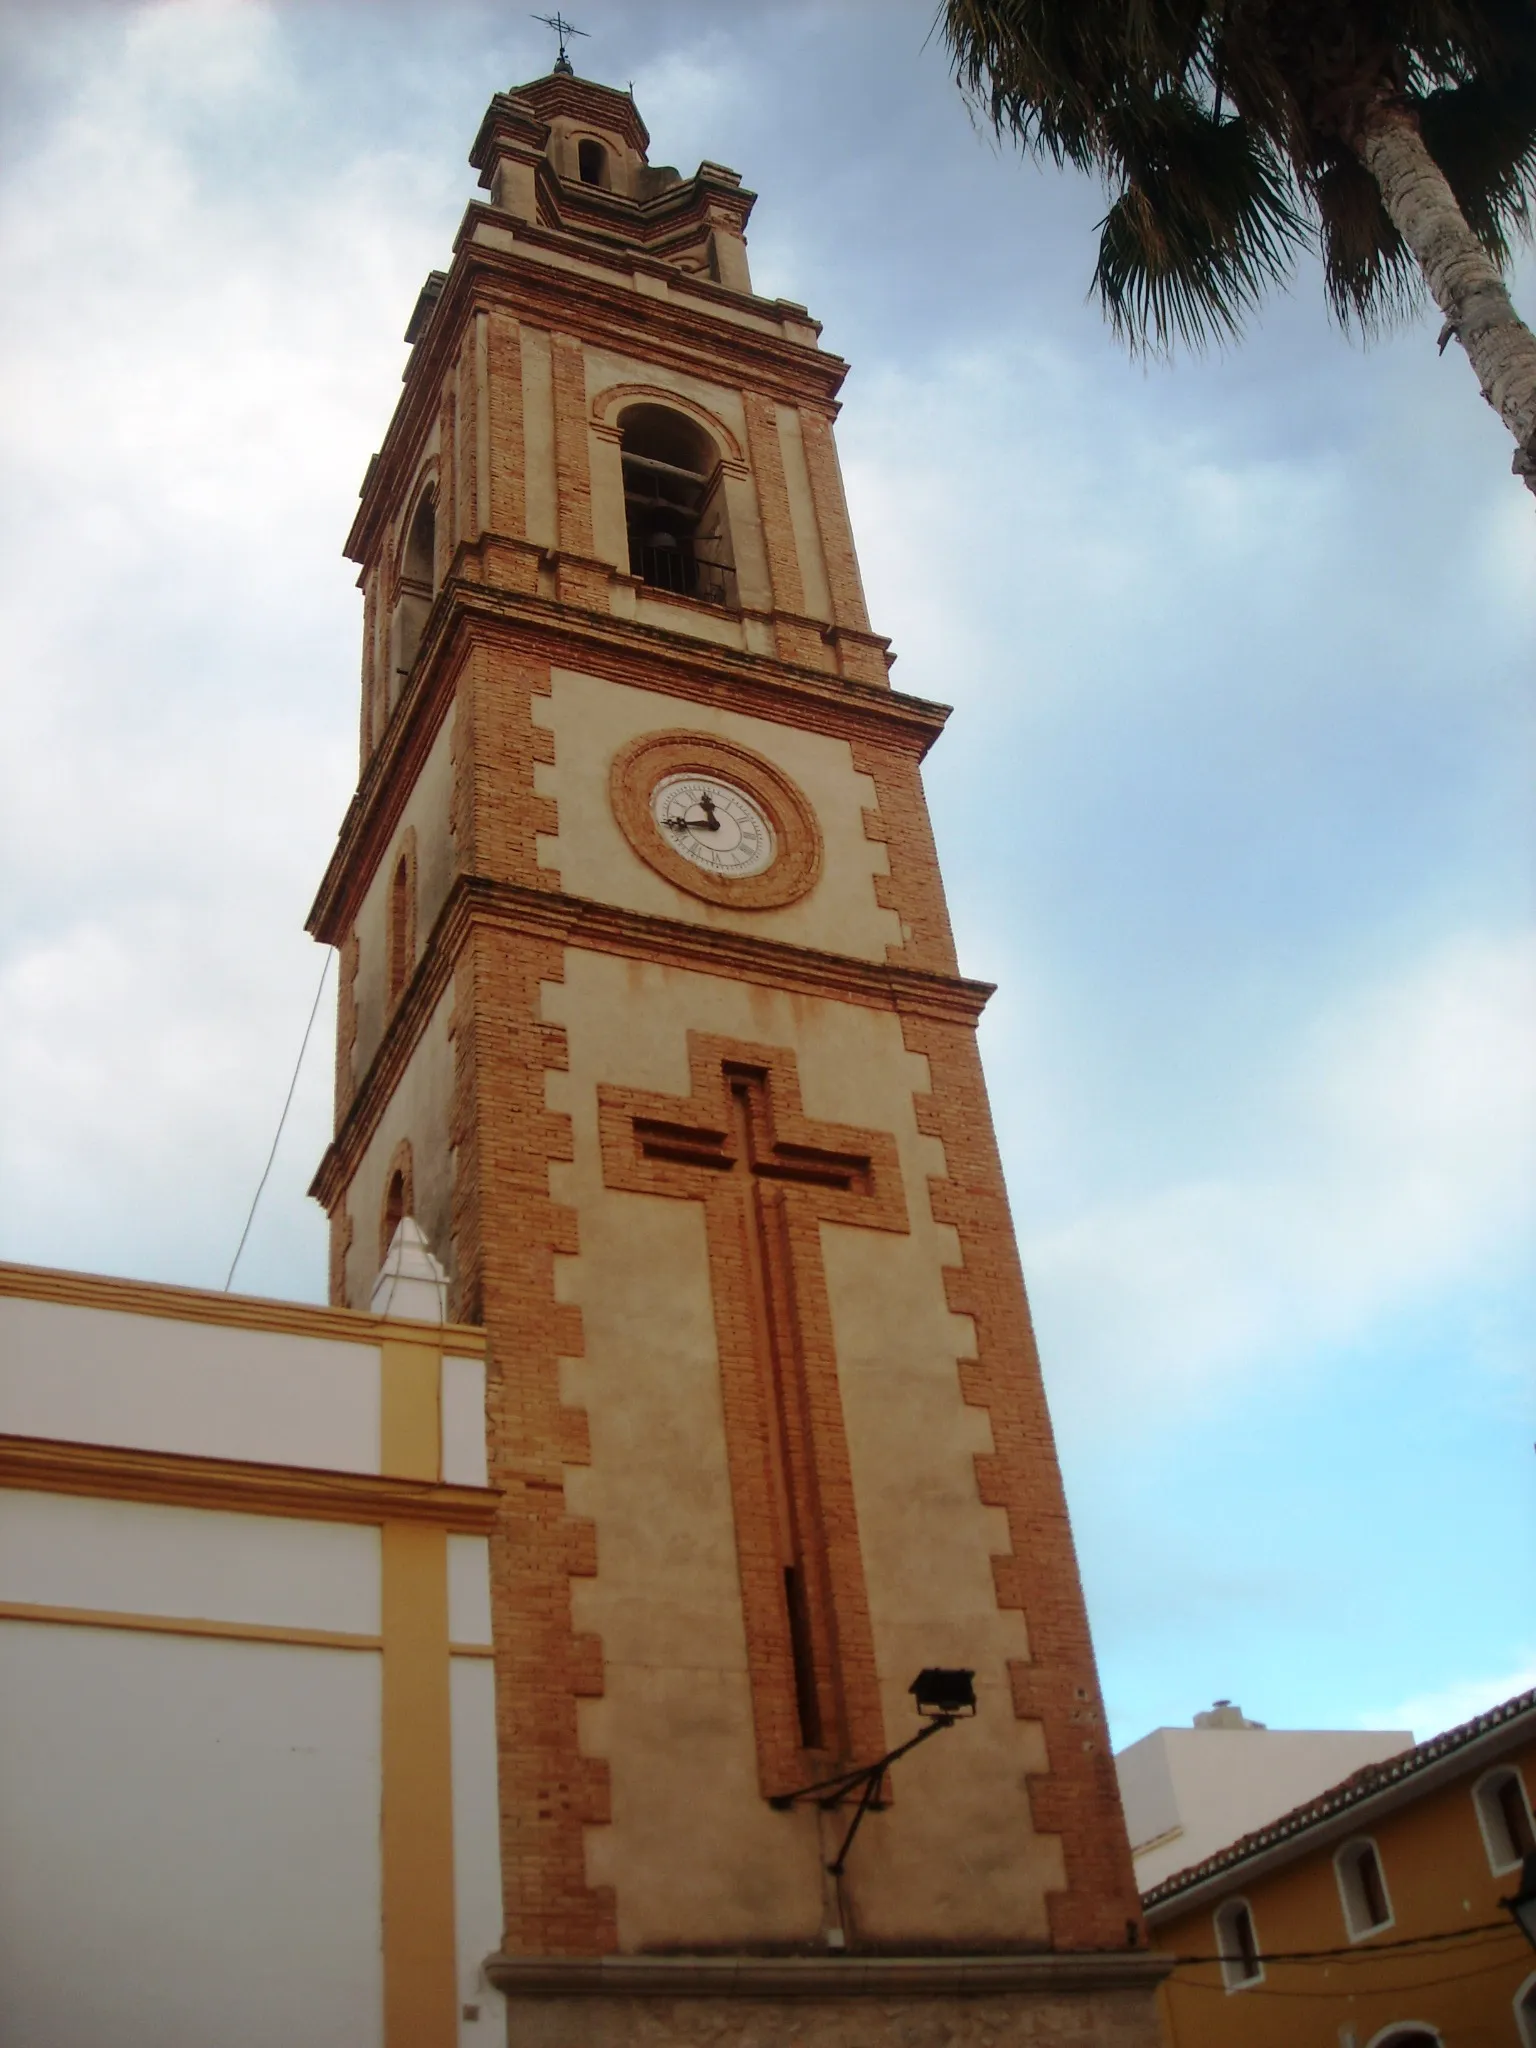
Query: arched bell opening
x=674, y=505
x=418, y=568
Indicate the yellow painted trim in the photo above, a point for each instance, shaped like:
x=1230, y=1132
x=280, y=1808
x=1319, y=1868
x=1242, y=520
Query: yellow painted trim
x=420, y=1961
x=230, y=1485
x=236, y=1311
x=410, y=1417
x=194, y=1625
x=186, y=1625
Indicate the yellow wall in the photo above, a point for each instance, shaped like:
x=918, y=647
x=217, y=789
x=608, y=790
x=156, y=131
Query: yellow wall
x=1438, y=1878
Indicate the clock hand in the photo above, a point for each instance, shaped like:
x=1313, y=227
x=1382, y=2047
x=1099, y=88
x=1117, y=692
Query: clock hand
x=710, y=821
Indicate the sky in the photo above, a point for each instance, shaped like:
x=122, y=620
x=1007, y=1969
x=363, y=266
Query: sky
x=1235, y=807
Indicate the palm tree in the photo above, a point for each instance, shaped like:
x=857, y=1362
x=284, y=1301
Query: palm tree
x=1399, y=135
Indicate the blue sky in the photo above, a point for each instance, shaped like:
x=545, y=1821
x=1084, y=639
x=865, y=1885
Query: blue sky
x=1235, y=807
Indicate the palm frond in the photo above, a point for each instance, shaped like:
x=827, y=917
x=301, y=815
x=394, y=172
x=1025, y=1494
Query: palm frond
x=1205, y=211
x=1483, y=136
x=1371, y=277
x=1203, y=220
x=1041, y=71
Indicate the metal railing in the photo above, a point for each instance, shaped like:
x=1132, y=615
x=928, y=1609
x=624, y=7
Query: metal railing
x=680, y=572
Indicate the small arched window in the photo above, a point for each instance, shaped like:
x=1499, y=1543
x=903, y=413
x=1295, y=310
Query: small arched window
x=1504, y=1815
x=674, y=505
x=1238, y=1946
x=1362, y=1889
x=592, y=162
x=418, y=571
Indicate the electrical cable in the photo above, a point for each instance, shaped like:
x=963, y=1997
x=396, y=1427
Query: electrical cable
x=1376, y=1991
x=1355, y=1953
x=314, y=1012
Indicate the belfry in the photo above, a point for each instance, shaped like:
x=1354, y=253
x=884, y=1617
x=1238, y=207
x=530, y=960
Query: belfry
x=651, y=1019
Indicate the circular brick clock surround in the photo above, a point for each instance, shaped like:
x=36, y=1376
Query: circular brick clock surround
x=655, y=756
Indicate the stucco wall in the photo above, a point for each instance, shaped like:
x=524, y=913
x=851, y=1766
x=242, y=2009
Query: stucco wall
x=426, y=812
x=141, y=1556
x=1438, y=1877
x=802, y=515
x=192, y=1842
x=102, y=1376
x=240, y=1709
x=418, y=1110
x=592, y=719
x=675, y=1722
x=539, y=437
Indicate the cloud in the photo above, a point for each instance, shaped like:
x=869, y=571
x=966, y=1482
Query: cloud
x=1389, y=1158
x=1447, y=1706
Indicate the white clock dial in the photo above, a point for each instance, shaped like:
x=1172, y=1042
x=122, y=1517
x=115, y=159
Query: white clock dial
x=713, y=825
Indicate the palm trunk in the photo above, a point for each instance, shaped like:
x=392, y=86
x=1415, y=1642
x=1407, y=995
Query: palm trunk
x=1460, y=273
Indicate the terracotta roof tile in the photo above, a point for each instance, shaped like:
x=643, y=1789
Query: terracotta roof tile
x=1348, y=1792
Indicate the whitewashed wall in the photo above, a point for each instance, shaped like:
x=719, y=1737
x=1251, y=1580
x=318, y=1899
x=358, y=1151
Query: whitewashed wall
x=191, y=1698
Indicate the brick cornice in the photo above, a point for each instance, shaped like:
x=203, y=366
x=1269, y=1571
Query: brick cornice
x=632, y=934
x=609, y=313
x=619, y=650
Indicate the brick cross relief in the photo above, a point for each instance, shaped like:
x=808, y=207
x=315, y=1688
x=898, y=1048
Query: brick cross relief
x=769, y=1178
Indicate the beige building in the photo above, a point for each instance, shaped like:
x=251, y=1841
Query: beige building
x=1188, y=1792
x=650, y=1014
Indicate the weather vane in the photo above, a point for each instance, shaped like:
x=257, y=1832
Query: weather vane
x=562, y=29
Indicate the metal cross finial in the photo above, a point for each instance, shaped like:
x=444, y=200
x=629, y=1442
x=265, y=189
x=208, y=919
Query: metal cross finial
x=562, y=29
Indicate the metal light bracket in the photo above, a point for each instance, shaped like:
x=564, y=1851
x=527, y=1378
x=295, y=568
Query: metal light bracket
x=942, y=1698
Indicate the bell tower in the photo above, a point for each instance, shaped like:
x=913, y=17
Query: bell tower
x=650, y=1017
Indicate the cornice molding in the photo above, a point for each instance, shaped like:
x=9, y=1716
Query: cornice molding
x=230, y=1485
x=618, y=650
x=609, y=313
x=233, y=1311
x=827, y=1977
x=635, y=935
x=557, y=93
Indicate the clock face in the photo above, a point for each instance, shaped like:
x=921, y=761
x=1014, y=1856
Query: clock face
x=712, y=824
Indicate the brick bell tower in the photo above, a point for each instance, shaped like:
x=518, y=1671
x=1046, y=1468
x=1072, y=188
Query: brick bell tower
x=650, y=1016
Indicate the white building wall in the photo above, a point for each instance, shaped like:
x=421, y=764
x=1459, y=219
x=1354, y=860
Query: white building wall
x=138, y=1557
x=99, y=1376
x=476, y=1849
x=193, y=1698
x=191, y=1833
x=1188, y=1792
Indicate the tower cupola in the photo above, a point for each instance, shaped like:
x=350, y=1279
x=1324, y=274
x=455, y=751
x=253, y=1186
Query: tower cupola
x=565, y=154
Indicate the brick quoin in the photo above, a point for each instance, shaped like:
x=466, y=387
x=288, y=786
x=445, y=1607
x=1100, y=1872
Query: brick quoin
x=1077, y=1798
x=507, y=1234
